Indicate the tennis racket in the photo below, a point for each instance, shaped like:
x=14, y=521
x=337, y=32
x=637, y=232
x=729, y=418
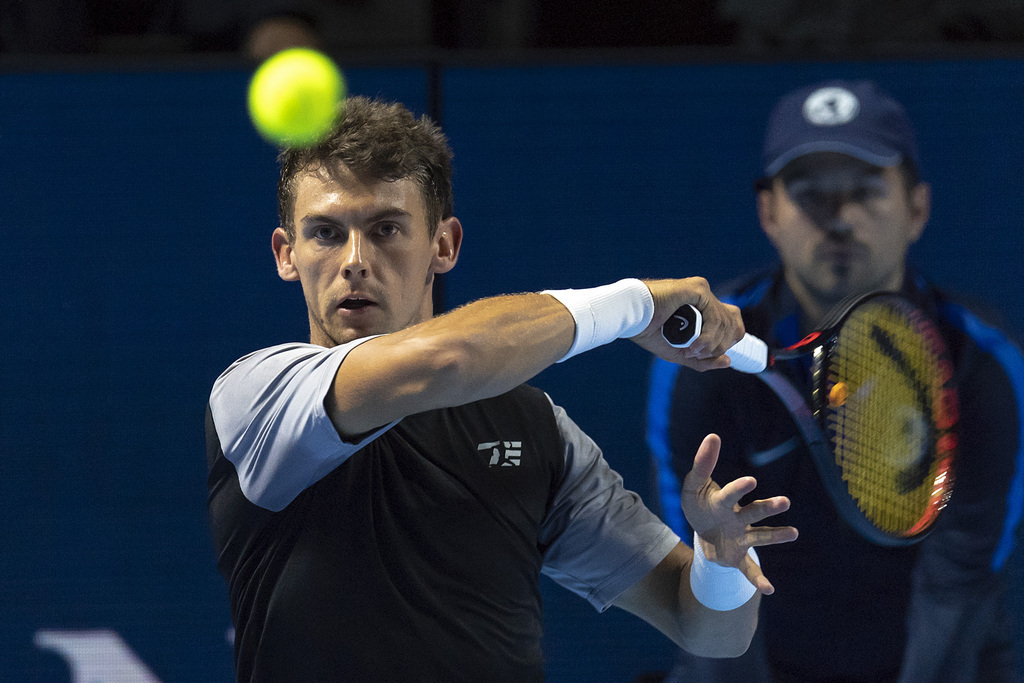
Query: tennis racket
x=883, y=414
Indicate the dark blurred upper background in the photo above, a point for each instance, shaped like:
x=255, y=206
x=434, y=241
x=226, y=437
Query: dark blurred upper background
x=396, y=28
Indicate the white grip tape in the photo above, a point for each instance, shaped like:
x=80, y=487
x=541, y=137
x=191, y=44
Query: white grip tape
x=717, y=587
x=606, y=313
x=749, y=354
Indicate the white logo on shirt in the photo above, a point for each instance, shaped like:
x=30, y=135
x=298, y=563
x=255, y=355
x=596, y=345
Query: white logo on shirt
x=503, y=453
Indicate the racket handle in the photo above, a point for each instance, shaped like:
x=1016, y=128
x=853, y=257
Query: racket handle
x=749, y=354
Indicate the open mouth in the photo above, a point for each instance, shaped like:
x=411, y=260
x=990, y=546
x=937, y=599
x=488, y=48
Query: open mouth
x=355, y=304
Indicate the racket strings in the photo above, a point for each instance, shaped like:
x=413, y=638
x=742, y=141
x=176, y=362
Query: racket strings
x=881, y=421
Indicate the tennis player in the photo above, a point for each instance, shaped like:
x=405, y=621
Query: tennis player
x=842, y=201
x=385, y=497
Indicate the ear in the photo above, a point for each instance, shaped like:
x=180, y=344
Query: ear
x=283, y=255
x=767, y=207
x=447, y=242
x=920, y=210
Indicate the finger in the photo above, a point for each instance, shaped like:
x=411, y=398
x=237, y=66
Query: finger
x=713, y=341
x=754, y=512
x=698, y=350
x=707, y=344
x=732, y=492
x=738, y=328
x=686, y=357
x=702, y=364
x=720, y=349
x=724, y=328
x=770, y=535
x=705, y=460
x=717, y=342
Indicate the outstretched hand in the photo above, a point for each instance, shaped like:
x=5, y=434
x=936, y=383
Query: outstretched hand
x=723, y=524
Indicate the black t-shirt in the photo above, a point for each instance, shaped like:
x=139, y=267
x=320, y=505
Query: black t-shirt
x=379, y=569
x=414, y=553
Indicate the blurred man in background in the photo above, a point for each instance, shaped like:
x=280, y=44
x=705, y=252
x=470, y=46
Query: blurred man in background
x=841, y=201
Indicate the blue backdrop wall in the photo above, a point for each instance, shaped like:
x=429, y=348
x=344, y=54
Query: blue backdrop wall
x=136, y=207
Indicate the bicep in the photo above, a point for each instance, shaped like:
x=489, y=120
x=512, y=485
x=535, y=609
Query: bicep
x=598, y=537
x=268, y=412
x=384, y=380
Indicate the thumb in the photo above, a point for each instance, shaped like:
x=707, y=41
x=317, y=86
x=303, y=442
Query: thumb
x=706, y=459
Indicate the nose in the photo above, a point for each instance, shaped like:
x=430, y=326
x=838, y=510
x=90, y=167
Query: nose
x=354, y=258
x=829, y=214
x=837, y=227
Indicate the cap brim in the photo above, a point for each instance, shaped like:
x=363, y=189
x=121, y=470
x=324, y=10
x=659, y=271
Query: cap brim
x=875, y=157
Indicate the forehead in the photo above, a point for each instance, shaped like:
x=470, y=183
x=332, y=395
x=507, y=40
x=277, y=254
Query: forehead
x=833, y=165
x=327, y=191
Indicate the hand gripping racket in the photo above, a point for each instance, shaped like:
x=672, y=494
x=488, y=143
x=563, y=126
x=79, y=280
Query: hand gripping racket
x=883, y=415
x=749, y=354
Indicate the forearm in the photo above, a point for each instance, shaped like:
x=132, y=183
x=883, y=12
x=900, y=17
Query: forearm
x=490, y=346
x=664, y=599
x=711, y=633
x=721, y=634
x=476, y=351
x=708, y=604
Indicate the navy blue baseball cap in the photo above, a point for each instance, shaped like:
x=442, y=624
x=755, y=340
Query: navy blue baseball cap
x=850, y=117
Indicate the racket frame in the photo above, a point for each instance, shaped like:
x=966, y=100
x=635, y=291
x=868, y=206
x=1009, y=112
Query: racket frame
x=812, y=420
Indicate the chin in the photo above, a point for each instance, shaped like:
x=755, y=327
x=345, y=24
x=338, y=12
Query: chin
x=830, y=295
x=842, y=282
x=351, y=335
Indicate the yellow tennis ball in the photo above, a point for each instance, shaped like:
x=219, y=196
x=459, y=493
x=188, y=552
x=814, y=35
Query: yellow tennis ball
x=295, y=97
x=838, y=394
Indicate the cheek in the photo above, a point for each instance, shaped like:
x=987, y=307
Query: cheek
x=892, y=251
x=315, y=276
x=409, y=263
x=796, y=241
x=892, y=231
x=792, y=226
x=311, y=276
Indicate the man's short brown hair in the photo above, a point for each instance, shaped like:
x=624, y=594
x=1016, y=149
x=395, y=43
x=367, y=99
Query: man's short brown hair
x=376, y=141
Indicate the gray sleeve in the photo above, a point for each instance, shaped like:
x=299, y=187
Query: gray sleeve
x=600, y=537
x=268, y=409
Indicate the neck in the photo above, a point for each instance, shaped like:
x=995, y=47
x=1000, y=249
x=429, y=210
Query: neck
x=816, y=305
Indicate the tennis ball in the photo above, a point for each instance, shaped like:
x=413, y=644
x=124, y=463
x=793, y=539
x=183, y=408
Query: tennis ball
x=295, y=96
x=838, y=394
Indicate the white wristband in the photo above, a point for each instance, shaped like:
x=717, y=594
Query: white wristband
x=604, y=314
x=717, y=587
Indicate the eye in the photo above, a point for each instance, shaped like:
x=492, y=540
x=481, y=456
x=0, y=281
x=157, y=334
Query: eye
x=323, y=232
x=802, y=191
x=872, y=189
x=388, y=229
x=809, y=197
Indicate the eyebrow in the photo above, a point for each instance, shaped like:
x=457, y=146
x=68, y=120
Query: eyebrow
x=383, y=214
x=810, y=175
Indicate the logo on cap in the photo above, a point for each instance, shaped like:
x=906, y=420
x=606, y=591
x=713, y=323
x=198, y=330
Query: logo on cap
x=831, y=106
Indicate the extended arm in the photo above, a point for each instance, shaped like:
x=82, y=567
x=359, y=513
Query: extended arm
x=665, y=599
x=490, y=346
